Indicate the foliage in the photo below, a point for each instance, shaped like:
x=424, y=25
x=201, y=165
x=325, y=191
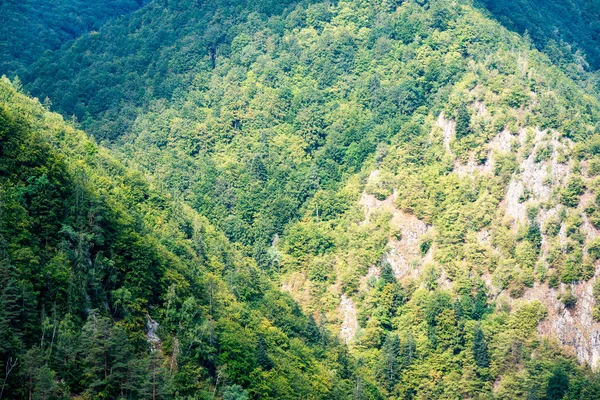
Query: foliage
x=463, y=121
x=93, y=255
x=562, y=29
x=306, y=146
x=35, y=27
x=480, y=350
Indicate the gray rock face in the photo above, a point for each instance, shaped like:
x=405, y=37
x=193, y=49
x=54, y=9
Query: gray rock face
x=151, y=336
x=574, y=328
x=350, y=322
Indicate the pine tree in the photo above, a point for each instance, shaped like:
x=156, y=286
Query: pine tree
x=480, y=306
x=9, y=308
x=262, y=356
x=94, y=346
x=534, y=235
x=390, y=363
x=45, y=384
x=158, y=378
x=480, y=350
x=558, y=384
x=387, y=274
x=120, y=356
x=67, y=351
x=312, y=330
x=463, y=121
x=409, y=350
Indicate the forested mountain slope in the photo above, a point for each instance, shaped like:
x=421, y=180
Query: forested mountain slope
x=575, y=23
x=164, y=46
x=28, y=28
x=104, y=79
x=110, y=289
x=419, y=178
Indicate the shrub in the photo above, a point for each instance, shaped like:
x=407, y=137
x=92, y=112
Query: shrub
x=568, y=298
x=571, y=193
x=552, y=227
x=425, y=245
x=594, y=249
x=543, y=153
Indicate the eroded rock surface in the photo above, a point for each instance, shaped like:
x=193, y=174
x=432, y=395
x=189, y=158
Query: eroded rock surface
x=404, y=254
x=349, y=321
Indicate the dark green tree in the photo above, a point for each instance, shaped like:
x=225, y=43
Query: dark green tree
x=262, y=355
x=591, y=389
x=408, y=350
x=390, y=362
x=480, y=306
x=463, y=121
x=480, y=349
x=95, y=347
x=534, y=235
x=558, y=384
x=387, y=274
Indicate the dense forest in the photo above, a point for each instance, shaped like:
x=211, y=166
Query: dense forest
x=303, y=199
x=28, y=28
x=93, y=256
x=573, y=24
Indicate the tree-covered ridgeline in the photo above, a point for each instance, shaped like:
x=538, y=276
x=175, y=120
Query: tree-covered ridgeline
x=562, y=29
x=29, y=28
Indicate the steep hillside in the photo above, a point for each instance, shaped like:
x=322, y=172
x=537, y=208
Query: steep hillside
x=162, y=49
x=110, y=289
x=106, y=77
x=419, y=178
x=554, y=24
x=28, y=28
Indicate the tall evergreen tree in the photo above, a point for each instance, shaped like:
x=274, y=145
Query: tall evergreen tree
x=390, y=362
x=408, y=350
x=463, y=121
x=94, y=344
x=387, y=274
x=262, y=355
x=558, y=384
x=480, y=350
x=480, y=306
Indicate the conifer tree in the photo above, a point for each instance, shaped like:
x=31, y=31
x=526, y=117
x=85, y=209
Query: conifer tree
x=480, y=350
x=409, y=349
x=480, y=306
x=387, y=274
x=262, y=356
x=558, y=384
x=463, y=121
x=390, y=363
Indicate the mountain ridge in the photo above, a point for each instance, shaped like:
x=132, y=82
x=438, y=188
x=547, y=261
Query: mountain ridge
x=53, y=24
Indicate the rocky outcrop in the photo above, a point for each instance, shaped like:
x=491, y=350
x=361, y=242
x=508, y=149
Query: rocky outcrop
x=536, y=179
x=404, y=255
x=349, y=321
x=574, y=328
x=151, y=336
x=448, y=127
